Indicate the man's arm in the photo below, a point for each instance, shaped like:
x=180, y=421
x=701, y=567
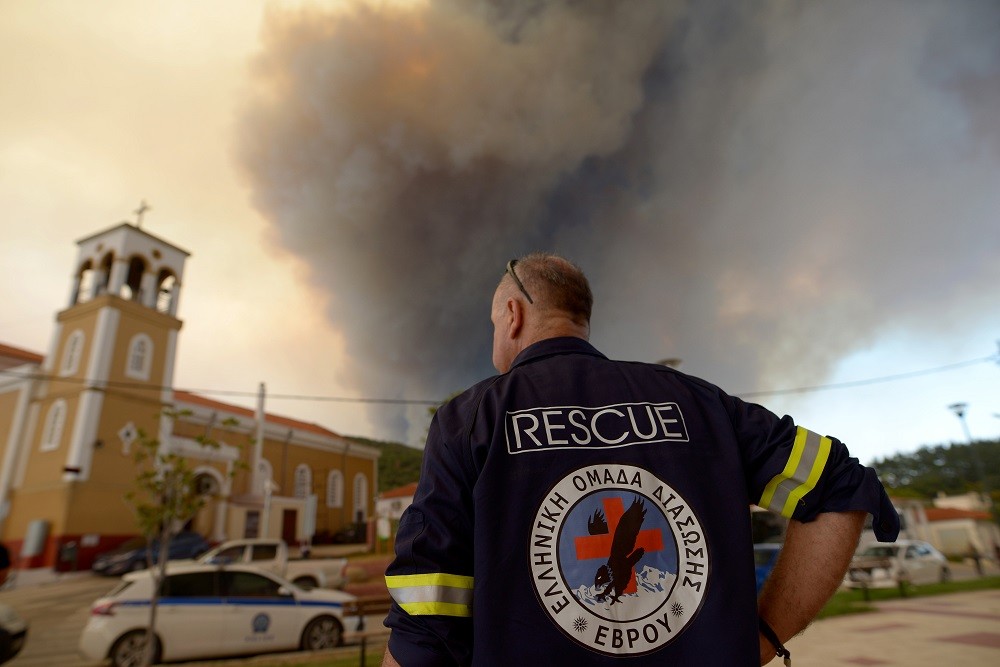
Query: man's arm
x=809, y=570
x=388, y=660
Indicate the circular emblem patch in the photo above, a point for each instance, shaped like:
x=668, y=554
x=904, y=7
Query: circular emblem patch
x=618, y=559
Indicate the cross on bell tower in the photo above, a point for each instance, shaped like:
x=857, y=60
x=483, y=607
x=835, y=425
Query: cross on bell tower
x=139, y=212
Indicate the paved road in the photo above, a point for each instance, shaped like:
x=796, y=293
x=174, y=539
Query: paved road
x=56, y=612
x=958, y=630
x=961, y=630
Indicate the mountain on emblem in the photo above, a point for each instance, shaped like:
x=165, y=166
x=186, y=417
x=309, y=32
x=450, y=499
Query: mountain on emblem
x=616, y=574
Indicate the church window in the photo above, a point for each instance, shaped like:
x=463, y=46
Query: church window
x=166, y=284
x=132, y=289
x=303, y=481
x=335, y=489
x=72, y=353
x=140, y=357
x=360, y=498
x=54, y=422
x=85, y=280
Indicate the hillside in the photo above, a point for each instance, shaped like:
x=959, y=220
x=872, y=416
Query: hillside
x=398, y=465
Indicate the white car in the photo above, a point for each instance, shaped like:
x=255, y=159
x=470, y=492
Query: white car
x=886, y=565
x=207, y=611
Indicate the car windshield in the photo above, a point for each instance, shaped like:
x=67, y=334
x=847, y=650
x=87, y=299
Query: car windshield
x=762, y=556
x=879, y=552
x=134, y=543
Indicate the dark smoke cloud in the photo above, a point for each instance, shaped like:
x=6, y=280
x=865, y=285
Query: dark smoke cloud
x=757, y=187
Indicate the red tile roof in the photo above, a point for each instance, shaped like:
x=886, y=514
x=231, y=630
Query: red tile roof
x=400, y=492
x=196, y=399
x=17, y=353
x=948, y=513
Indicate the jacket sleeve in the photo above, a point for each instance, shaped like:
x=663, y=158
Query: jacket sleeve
x=430, y=579
x=798, y=473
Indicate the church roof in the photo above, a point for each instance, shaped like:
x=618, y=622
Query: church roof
x=405, y=491
x=11, y=356
x=947, y=513
x=196, y=399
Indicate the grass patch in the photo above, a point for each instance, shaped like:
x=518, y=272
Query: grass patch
x=853, y=601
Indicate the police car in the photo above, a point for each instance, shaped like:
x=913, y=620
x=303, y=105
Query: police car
x=207, y=611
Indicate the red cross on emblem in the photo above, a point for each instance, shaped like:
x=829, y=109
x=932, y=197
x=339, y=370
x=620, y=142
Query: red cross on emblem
x=599, y=546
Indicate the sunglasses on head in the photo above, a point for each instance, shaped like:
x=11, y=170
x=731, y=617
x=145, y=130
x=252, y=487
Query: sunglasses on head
x=520, y=285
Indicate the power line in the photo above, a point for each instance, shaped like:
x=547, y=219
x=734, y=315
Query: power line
x=110, y=384
x=860, y=383
x=406, y=401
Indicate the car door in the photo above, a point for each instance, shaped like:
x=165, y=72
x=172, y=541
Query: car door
x=914, y=565
x=929, y=566
x=191, y=619
x=260, y=615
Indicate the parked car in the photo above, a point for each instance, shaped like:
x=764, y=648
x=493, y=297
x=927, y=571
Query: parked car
x=131, y=555
x=209, y=611
x=13, y=632
x=271, y=554
x=764, y=558
x=887, y=565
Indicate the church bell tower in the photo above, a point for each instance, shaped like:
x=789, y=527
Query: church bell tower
x=107, y=375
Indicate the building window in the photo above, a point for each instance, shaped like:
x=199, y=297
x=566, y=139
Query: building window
x=360, y=498
x=335, y=489
x=54, y=422
x=72, y=353
x=303, y=481
x=140, y=357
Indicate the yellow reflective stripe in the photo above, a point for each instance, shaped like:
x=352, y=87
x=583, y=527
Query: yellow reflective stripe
x=436, y=594
x=817, y=469
x=433, y=579
x=802, y=470
x=436, y=609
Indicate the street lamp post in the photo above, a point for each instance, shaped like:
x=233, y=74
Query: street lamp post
x=960, y=409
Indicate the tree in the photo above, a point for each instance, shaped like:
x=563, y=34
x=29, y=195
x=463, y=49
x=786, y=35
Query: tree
x=165, y=497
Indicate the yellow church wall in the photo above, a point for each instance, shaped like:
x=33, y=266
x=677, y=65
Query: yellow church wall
x=8, y=406
x=46, y=467
x=138, y=319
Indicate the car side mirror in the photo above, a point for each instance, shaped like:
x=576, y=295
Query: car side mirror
x=284, y=592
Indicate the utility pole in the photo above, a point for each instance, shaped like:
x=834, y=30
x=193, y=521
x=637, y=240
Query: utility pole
x=960, y=409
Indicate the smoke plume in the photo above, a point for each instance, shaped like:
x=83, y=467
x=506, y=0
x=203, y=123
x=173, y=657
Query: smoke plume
x=757, y=187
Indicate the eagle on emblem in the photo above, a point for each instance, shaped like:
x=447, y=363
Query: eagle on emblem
x=617, y=572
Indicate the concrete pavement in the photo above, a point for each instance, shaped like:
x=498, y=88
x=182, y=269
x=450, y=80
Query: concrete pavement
x=957, y=630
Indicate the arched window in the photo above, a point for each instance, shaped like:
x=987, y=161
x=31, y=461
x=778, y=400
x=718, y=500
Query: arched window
x=72, y=353
x=132, y=289
x=54, y=422
x=360, y=498
x=84, y=283
x=264, y=473
x=206, y=484
x=140, y=357
x=303, y=481
x=104, y=275
x=335, y=489
x=165, y=285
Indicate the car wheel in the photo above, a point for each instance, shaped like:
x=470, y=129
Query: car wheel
x=308, y=583
x=136, y=566
x=945, y=575
x=129, y=650
x=322, y=632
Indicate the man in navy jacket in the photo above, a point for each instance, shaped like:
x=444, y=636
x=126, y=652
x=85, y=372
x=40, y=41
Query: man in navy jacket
x=575, y=510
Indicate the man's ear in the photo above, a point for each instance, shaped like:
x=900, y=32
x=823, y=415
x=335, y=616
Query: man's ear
x=515, y=310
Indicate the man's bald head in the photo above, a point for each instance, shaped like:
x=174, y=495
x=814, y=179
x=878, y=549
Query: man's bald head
x=552, y=300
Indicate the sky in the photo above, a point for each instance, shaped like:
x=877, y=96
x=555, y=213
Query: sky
x=782, y=195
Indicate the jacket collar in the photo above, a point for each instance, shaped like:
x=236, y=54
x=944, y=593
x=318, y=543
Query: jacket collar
x=554, y=346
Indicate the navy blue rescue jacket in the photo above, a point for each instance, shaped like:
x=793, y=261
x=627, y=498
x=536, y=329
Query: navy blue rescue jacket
x=582, y=511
